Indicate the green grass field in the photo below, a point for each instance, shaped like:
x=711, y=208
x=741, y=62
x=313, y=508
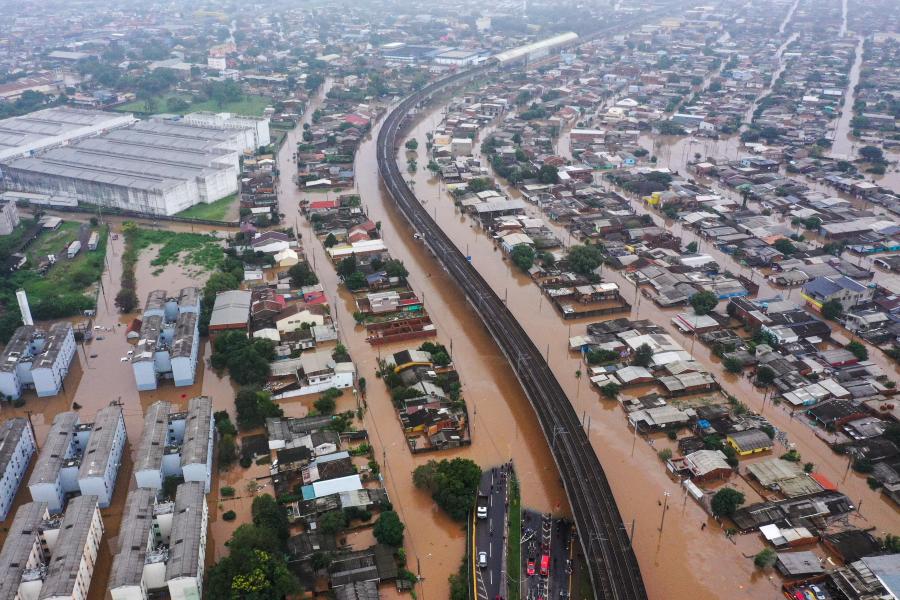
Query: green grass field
x=216, y=211
x=248, y=105
x=188, y=249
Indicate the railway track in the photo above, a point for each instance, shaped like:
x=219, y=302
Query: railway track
x=612, y=564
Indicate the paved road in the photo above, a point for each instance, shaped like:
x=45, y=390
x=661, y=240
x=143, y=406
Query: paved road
x=489, y=535
x=543, y=535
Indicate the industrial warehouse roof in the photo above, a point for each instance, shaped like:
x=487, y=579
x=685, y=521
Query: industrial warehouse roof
x=53, y=126
x=128, y=564
x=99, y=448
x=197, y=431
x=127, y=158
x=153, y=442
x=69, y=551
x=46, y=469
x=18, y=546
x=187, y=528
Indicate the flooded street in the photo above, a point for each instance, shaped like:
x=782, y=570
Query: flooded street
x=843, y=146
x=503, y=426
x=683, y=562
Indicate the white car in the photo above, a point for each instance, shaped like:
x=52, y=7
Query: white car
x=481, y=512
x=482, y=559
x=123, y=359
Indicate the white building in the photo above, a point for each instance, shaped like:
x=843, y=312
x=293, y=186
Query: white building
x=176, y=444
x=51, y=558
x=52, y=127
x=56, y=470
x=79, y=458
x=103, y=455
x=17, y=446
x=169, y=339
x=253, y=131
x=187, y=544
x=74, y=554
x=9, y=216
x=36, y=358
x=154, y=167
x=162, y=545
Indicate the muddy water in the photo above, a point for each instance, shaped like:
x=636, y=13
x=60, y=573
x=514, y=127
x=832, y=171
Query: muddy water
x=502, y=422
x=843, y=146
x=98, y=377
x=685, y=562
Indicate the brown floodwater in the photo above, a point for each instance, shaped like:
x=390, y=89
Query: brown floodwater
x=683, y=561
x=502, y=423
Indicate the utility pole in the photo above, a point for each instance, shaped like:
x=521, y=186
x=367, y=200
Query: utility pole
x=662, y=521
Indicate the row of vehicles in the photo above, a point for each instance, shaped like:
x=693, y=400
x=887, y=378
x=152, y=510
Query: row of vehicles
x=544, y=566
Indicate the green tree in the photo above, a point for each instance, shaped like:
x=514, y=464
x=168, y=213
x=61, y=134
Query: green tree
x=389, y=529
x=330, y=241
x=765, y=558
x=584, y=259
x=254, y=406
x=643, y=356
x=356, y=281
x=254, y=568
x=548, y=174
x=269, y=514
x=733, y=365
x=325, y=404
x=302, y=275
x=785, y=246
x=832, y=309
x=333, y=522
x=871, y=154
x=126, y=300
x=692, y=248
x=765, y=375
x=522, y=256
x=396, y=268
x=726, y=502
x=858, y=350
x=611, y=390
x=227, y=450
x=453, y=484
x=704, y=302
x=412, y=144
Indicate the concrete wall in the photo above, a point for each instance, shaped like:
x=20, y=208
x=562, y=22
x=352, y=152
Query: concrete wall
x=50, y=492
x=144, y=375
x=149, y=478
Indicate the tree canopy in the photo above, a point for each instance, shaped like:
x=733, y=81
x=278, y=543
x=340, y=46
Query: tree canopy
x=247, y=360
x=522, y=256
x=453, y=484
x=583, y=259
x=704, y=302
x=254, y=406
x=389, y=529
x=726, y=502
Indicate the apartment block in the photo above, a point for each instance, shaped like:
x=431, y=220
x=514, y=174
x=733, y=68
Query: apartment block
x=169, y=339
x=36, y=358
x=51, y=558
x=103, y=455
x=79, y=458
x=176, y=444
x=162, y=545
x=17, y=446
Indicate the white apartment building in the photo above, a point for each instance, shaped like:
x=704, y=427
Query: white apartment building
x=79, y=458
x=169, y=339
x=17, y=446
x=176, y=444
x=51, y=558
x=103, y=455
x=162, y=545
x=36, y=358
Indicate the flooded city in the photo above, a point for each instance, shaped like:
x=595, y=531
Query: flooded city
x=469, y=302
